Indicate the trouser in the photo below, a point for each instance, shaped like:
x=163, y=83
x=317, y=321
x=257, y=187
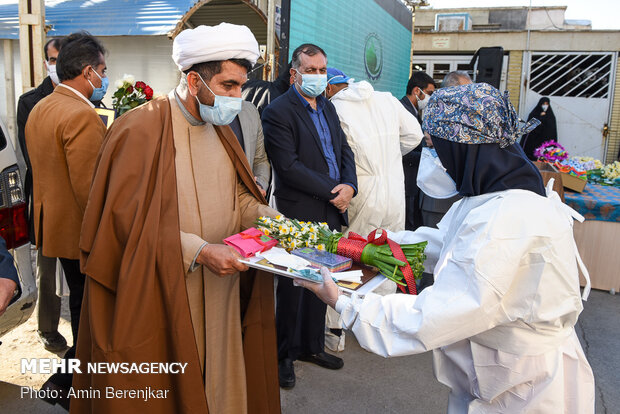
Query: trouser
x=300, y=320
x=431, y=218
x=413, y=213
x=427, y=280
x=75, y=280
x=49, y=303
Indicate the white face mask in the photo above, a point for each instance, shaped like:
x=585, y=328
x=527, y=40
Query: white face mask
x=433, y=178
x=545, y=107
x=422, y=103
x=51, y=72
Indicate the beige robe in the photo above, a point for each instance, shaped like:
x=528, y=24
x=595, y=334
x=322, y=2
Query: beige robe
x=213, y=204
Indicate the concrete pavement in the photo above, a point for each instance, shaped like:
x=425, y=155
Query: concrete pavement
x=372, y=384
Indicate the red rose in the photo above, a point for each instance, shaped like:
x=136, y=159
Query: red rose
x=140, y=85
x=129, y=89
x=148, y=92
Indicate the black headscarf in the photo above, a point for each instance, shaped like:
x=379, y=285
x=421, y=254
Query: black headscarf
x=486, y=168
x=474, y=129
x=547, y=130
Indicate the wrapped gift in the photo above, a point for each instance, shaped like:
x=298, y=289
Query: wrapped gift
x=320, y=258
x=250, y=241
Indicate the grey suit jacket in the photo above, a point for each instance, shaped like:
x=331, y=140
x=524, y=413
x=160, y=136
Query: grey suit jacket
x=254, y=145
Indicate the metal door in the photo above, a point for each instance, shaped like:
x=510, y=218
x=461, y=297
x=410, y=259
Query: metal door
x=580, y=88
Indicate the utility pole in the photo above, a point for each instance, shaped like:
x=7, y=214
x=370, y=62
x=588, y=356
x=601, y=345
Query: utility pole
x=9, y=81
x=411, y=5
x=271, y=41
x=31, y=41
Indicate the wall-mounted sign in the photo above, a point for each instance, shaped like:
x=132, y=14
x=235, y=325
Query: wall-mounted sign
x=373, y=56
x=441, y=42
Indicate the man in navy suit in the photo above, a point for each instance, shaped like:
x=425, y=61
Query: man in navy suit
x=419, y=89
x=315, y=180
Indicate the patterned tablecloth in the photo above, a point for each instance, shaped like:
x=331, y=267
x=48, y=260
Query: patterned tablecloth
x=597, y=202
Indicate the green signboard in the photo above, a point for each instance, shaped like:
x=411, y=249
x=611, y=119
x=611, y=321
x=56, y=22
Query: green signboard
x=367, y=39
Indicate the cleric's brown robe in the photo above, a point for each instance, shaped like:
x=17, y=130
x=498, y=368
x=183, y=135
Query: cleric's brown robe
x=213, y=204
x=135, y=300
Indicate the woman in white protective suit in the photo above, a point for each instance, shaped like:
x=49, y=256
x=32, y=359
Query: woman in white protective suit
x=500, y=317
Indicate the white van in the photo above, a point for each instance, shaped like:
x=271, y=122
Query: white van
x=14, y=230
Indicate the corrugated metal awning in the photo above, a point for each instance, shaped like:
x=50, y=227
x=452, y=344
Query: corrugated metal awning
x=229, y=11
x=101, y=17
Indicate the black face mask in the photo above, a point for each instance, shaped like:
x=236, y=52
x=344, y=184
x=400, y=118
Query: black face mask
x=486, y=168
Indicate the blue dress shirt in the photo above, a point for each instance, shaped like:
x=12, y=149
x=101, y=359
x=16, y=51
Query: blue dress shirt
x=320, y=123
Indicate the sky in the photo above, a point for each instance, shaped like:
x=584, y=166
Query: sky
x=604, y=14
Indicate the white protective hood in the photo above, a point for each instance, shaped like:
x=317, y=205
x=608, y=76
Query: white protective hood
x=356, y=91
x=380, y=131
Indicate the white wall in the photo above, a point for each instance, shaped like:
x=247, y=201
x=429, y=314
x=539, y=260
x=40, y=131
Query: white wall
x=546, y=19
x=147, y=58
x=18, y=82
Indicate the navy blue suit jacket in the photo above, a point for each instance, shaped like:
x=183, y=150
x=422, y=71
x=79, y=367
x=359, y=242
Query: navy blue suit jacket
x=302, y=181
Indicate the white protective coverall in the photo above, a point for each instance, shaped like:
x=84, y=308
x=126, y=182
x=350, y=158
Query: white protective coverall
x=380, y=131
x=501, y=314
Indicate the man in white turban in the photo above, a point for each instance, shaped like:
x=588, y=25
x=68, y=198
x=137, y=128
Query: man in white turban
x=171, y=183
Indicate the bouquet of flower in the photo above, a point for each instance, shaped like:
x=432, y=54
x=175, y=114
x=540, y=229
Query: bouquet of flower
x=572, y=168
x=612, y=171
x=584, y=163
x=130, y=94
x=551, y=151
x=606, y=175
x=402, y=264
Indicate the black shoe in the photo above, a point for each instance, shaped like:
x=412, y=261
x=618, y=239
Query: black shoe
x=55, y=394
x=323, y=359
x=53, y=341
x=286, y=373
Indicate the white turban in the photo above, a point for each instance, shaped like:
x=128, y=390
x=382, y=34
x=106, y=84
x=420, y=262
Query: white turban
x=211, y=43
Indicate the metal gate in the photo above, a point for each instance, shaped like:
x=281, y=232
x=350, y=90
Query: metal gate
x=580, y=89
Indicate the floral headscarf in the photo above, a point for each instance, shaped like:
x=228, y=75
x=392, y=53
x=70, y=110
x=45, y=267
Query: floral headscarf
x=475, y=113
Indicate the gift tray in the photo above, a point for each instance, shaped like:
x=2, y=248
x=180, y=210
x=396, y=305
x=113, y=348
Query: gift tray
x=371, y=278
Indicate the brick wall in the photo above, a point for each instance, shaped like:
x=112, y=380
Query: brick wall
x=513, y=82
x=614, y=125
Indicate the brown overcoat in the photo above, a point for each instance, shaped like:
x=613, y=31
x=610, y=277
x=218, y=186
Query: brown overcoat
x=135, y=300
x=63, y=136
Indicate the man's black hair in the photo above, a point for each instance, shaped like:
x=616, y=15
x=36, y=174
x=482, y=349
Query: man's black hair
x=77, y=51
x=207, y=70
x=419, y=79
x=306, y=49
x=56, y=43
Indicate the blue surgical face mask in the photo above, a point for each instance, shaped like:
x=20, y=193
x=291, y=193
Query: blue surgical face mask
x=312, y=85
x=223, y=111
x=99, y=93
x=433, y=179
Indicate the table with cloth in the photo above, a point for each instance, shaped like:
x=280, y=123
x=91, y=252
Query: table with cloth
x=598, y=238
